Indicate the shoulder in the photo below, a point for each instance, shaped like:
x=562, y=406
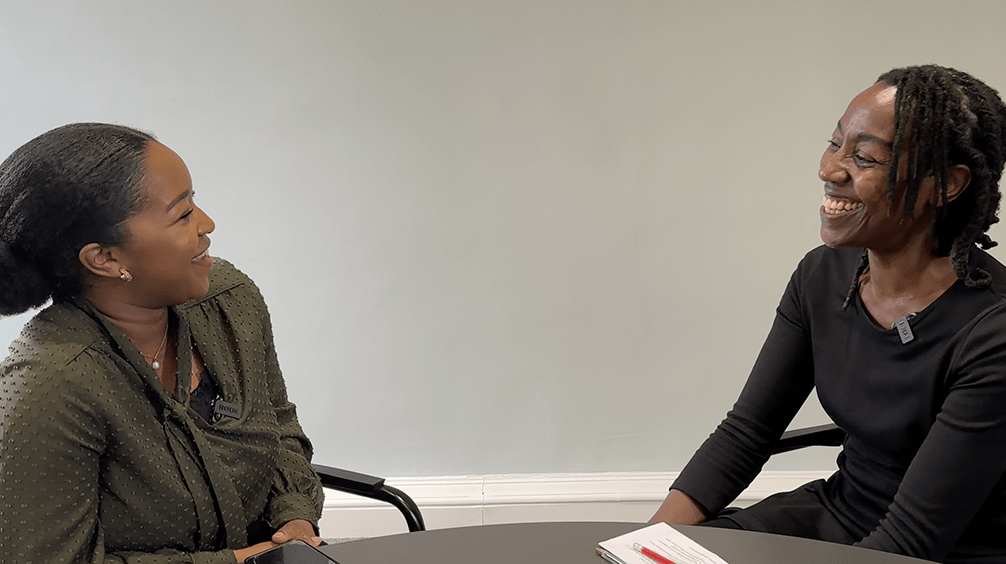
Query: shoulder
x=983, y=260
x=56, y=336
x=827, y=271
x=227, y=283
x=824, y=258
x=233, y=298
x=57, y=354
x=225, y=277
x=980, y=354
x=231, y=314
x=981, y=312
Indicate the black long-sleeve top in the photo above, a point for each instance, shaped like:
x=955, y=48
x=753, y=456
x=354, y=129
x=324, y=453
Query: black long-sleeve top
x=921, y=472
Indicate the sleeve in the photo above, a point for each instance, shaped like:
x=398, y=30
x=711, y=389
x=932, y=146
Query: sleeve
x=296, y=491
x=962, y=458
x=779, y=383
x=51, y=442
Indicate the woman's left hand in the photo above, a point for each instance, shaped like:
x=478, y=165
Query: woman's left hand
x=297, y=529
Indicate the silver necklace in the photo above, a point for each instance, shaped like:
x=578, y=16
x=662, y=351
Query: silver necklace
x=153, y=362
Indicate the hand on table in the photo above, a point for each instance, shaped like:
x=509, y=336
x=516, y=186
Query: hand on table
x=297, y=529
x=252, y=550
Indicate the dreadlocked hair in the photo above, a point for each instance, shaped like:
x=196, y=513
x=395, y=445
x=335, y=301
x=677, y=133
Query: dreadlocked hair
x=864, y=264
x=945, y=117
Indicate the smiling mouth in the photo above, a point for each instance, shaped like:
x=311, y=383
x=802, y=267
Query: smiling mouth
x=201, y=255
x=834, y=206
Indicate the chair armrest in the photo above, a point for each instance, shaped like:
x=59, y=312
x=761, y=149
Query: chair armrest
x=374, y=488
x=820, y=435
x=347, y=480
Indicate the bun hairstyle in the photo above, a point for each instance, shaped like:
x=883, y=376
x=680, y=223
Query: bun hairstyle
x=945, y=117
x=68, y=187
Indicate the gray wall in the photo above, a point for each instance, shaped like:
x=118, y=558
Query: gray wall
x=522, y=236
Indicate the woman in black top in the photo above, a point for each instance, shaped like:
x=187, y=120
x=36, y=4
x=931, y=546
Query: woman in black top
x=899, y=321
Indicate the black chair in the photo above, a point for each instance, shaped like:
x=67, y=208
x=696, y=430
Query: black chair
x=820, y=435
x=374, y=488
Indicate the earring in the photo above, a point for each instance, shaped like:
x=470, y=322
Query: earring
x=125, y=275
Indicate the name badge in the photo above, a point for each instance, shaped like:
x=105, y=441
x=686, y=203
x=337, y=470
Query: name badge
x=223, y=408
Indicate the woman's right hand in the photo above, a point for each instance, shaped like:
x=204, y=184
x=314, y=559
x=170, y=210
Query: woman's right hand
x=252, y=550
x=678, y=509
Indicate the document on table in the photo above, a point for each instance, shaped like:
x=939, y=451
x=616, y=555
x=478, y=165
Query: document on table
x=661, y=539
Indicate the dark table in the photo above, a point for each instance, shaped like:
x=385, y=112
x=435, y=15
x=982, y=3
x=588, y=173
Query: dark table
x=573, y=543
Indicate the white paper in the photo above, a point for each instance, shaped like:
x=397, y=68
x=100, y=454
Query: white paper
x=665, y=541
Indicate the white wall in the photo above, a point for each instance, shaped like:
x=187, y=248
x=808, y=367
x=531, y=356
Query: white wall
x=522, y=236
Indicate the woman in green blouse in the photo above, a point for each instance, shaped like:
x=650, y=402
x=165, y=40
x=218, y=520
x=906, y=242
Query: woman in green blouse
x=143, y=415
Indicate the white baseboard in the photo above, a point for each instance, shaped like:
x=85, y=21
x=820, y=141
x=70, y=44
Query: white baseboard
x=459, y=501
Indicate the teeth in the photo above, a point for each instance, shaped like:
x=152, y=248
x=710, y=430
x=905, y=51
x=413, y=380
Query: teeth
x=831, y=205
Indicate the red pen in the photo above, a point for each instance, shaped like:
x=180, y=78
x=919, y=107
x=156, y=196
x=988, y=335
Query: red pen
x=653, y=555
